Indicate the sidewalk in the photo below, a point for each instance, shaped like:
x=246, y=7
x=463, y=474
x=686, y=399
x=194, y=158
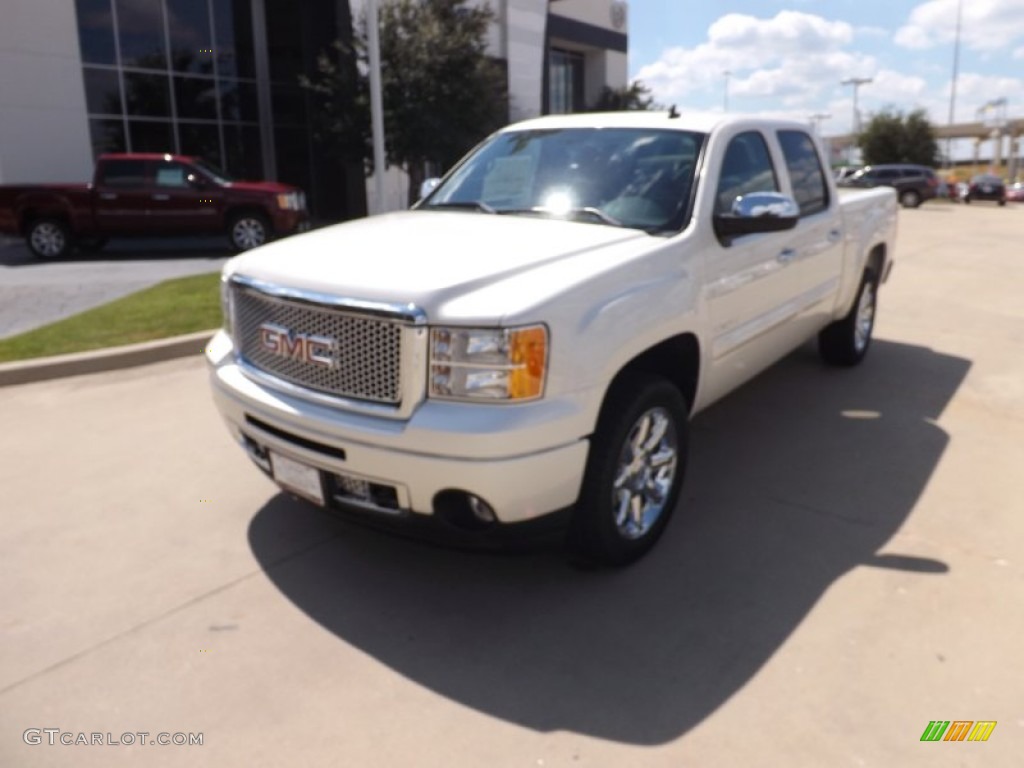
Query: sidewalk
x=97, y=361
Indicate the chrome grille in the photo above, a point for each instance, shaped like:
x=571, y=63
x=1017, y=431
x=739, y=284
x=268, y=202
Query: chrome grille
x=367, y=351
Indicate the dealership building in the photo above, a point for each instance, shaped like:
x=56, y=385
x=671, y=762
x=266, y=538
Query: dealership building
x=220, y=79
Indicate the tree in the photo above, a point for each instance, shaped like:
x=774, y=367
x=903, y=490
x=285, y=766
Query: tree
x=892, y=137
x=341, y=122
x=442, y=93
x=635, y=96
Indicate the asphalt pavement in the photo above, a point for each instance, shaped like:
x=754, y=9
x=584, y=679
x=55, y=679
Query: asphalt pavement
x=34, y=293
x=846, y=566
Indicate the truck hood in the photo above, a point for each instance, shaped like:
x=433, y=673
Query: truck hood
x=432, y=258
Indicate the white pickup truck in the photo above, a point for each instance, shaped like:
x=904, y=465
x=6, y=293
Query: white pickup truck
x=521, y=352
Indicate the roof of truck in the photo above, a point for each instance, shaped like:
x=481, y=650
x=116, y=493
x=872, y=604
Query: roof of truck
x=144, y=156
x=684, y=120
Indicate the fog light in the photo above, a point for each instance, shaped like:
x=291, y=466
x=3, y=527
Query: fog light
x=354, y=486
x=464, y=510
x=481, y=509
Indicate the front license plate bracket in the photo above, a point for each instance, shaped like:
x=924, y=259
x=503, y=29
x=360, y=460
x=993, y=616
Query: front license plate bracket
x=299, y=478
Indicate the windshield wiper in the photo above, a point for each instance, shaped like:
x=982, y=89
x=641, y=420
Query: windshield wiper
x=572, y=213
x=469, y=205
x=596, y=213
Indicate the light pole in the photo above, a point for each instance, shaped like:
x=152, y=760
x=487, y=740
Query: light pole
x=727, y=74
x=376, y=102
x=816, y=120
x=952, y=92
x=856, y=82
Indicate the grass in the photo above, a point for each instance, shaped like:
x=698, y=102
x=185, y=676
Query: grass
x=170, y=308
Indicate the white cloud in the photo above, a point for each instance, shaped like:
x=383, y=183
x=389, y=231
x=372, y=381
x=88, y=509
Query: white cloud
x=876, y=32
x=974, y=91
x=897, y=91
x=793, y=63
x=788, y=31
x=794, y=58
x=986, y=24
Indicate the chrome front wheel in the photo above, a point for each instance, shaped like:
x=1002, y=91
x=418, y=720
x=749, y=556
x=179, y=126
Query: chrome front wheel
x=634, y=471
x=247, y=232
x=646, y=473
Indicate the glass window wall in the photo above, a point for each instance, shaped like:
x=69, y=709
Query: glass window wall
x=172, y=76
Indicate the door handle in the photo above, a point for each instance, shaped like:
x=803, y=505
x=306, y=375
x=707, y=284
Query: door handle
x=108, y=196
x=786, y=256
x=835, y=235
x=161, y=197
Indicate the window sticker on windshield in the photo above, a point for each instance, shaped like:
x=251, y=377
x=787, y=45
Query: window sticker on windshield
x=509, y=179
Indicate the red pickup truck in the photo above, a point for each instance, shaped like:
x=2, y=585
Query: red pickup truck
x=139, y=195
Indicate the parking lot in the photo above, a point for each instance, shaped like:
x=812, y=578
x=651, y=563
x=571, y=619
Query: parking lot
x=846, y=567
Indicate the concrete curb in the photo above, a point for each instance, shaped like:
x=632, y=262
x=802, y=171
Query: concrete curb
x=97, y=361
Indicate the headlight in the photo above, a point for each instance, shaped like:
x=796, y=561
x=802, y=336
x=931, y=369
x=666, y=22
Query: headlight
x=227, y=305
x=497, y=364
x=289, y=201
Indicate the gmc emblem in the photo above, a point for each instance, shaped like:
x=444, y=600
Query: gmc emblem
x=306, y=348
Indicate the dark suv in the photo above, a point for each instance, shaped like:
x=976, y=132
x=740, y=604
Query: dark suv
x=985, y=186
x=913, y=183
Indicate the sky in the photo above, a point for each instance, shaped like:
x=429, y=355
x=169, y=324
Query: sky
x=789, y=56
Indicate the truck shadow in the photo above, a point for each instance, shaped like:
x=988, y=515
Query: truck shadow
x=794, y=480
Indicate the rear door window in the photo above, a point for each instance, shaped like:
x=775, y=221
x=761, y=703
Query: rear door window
x=123, y=173
x=810, y=189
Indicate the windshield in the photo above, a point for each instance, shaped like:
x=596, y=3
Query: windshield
x=212, y=171
x=630, y=177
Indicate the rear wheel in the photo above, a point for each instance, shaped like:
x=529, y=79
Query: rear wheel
x=247, y=231
x=845, y=342
x=634, y=471
x=48, y=238
x=910, y=198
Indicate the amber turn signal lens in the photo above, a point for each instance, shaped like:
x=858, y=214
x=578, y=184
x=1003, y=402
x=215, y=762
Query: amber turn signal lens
x=528, y=352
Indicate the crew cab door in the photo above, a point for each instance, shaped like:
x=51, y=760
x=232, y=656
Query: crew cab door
x=748, y=286
x=182, y=201
x=121, y=197
x=817, y=241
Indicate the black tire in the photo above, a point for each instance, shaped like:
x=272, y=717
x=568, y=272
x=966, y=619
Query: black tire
x=845, y=342
x=248, y=230
x=49, y=238
x=910, y=198
x=92, y=244
x=601, y=531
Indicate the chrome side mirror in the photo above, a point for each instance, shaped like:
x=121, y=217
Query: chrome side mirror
x=773, y=204
x=758, y=212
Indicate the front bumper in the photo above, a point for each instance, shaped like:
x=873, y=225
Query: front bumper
x=520, y=485
x=287, y=222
